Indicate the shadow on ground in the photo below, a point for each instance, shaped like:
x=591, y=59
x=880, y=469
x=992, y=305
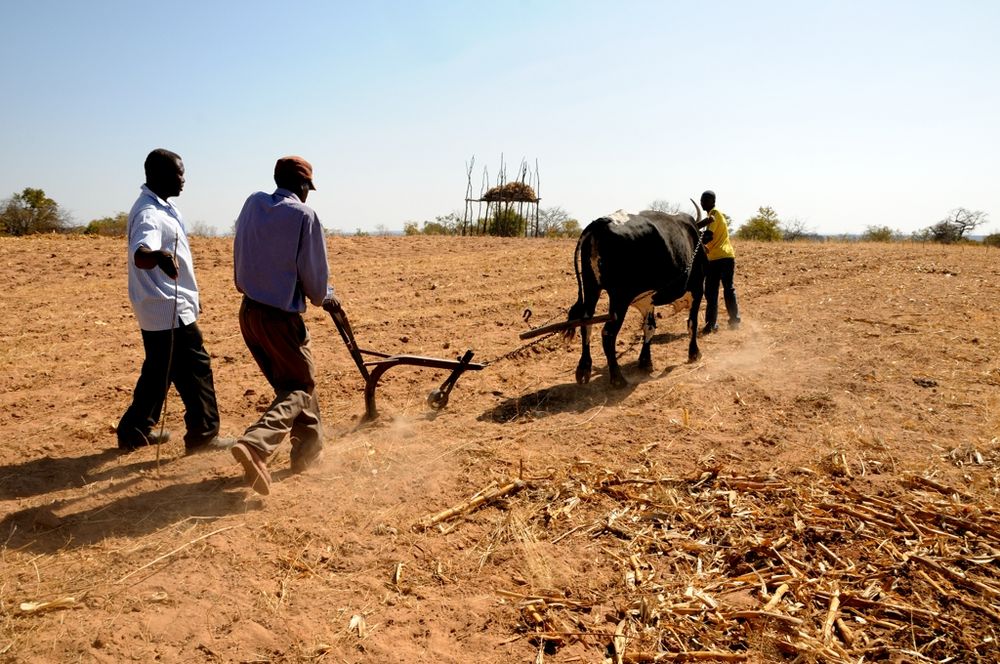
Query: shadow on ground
x=56, y=527
x=669, y=337
x=564, y=398
x=53, y=474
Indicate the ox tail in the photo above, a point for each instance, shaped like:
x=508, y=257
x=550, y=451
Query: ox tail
x=576, y=311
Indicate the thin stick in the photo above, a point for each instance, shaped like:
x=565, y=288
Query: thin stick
x=776, y=597
x=957, y=577
x=831, y=616
x=170, y=553
x=845, y=632
x=765, y=614
x=936, y=486
x=472, y=504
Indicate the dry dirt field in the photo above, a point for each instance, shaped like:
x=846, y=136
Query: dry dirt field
x=820, y=487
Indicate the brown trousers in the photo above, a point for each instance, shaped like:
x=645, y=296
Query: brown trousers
x=279, y=342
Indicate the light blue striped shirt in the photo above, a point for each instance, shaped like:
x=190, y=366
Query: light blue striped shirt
x=156, y=224
x=279, y=254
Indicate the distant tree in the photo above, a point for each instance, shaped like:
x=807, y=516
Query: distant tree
x=763, y=226
x=556, y=222
x=880, y=234
x=662, y=205
x=360, y=233
x=451, y=223
x=31, y=211
x=795, y=229
x=381, y=229
x=443, y=224
x=116, y=225
x=952, y=228
x=201, y=229
x=570, y=228
x=551, y=220
x=992, y=240
x=436, y=228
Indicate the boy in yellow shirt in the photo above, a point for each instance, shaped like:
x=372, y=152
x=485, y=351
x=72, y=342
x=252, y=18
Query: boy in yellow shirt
x=721, y=266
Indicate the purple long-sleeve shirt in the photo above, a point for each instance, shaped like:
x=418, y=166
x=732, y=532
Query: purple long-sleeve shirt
x=279, y=254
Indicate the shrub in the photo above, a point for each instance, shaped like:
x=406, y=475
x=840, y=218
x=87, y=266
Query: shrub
x=795, y=229
x=116, y=225
x=506, y=222
x=879, y=234
x=763, y=226
x=570, y=228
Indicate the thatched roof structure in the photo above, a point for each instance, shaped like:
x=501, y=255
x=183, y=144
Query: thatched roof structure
x=511, y=191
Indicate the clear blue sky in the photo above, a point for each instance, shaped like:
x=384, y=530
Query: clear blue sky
x=840, y=114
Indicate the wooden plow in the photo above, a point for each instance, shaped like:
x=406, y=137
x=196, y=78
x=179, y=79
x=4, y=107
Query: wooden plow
x=372, y=370
x=565, y=325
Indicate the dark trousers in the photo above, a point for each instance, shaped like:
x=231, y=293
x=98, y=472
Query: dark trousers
x=720, y=270
x=190, y=374
x=279, y=342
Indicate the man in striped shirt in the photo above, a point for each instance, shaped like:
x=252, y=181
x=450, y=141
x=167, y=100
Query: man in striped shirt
x=164, y=296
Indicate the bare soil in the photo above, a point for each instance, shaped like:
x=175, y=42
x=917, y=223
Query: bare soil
x=645, y=522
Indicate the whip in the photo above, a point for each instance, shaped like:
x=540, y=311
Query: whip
x=170, y=354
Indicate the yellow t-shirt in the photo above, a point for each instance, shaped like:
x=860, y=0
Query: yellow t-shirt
x=719, y=246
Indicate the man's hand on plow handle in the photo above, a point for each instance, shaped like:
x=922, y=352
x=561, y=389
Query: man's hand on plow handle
x=332, y=304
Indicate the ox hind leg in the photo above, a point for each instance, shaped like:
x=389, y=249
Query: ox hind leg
x=585, y=367
x=584, y=308
x=644, y=305
x=609, y=339
x=697, y=281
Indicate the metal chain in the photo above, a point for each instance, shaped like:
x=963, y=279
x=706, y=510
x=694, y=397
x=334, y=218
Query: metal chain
x=520, y=349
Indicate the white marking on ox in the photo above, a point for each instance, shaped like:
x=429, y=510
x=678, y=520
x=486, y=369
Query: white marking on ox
x=644, y=305
x=619, y=217
x=595, y=263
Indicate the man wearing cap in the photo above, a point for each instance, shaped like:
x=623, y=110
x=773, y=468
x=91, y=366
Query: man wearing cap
x=164, y=296
x=279, y=257
x=721, y=266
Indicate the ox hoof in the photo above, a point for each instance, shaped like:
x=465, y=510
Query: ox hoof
x=618, y=382
x=694, y=357
x=582, y=376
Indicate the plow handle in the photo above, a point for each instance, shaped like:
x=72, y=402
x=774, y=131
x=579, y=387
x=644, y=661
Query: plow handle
x=339, y=317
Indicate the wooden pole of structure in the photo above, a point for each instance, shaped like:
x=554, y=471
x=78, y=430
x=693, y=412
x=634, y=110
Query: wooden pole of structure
x=524, y=179
x=481, y=222
x=468, y=194
x=538, y=194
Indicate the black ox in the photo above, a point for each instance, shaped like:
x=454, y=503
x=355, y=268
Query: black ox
x=641, y=260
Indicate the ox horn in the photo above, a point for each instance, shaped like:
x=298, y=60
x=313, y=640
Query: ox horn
x=697, y=209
